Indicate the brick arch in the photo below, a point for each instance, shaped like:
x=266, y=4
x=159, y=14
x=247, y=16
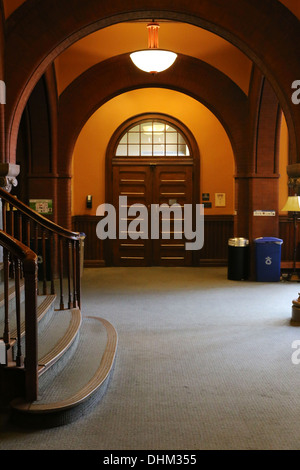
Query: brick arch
x=101, y=83
x=39, y=31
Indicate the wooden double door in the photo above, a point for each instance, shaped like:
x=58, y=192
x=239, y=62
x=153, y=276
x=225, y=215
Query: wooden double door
x=149, y=186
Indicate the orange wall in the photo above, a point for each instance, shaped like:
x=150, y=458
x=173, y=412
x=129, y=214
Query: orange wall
x=216, y=156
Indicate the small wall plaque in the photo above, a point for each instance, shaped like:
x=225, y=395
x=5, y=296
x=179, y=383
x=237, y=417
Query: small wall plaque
x=42, y=206
x=220, y=199
x=264, y=213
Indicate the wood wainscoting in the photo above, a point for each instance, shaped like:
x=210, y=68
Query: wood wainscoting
x=286, y=233
x=93, y=246
x=217, y=231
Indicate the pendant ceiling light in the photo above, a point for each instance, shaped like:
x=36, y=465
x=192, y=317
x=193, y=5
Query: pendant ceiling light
x=153, y=59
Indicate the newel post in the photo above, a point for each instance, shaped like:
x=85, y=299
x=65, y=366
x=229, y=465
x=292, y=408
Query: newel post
x=31, y=327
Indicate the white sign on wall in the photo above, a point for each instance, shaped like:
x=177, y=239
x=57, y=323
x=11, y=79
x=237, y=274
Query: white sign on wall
x=264, y=213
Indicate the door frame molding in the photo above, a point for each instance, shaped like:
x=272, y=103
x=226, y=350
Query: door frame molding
x=110, y=155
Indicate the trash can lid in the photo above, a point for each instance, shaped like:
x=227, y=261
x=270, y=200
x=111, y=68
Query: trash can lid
x=238, y=241
x=278, y=241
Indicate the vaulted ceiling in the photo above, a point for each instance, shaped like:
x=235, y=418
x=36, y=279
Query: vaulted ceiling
x=200, y=41
x=127, y=37
x=85, y=62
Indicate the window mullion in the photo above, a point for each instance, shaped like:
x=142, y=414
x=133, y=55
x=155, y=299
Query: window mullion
x=138, y=144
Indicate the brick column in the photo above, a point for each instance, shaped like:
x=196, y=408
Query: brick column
x=64, y=217
x=256, y=193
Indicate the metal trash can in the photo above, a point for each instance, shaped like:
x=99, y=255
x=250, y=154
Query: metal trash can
x=268, y=259
x=82, y=238
x=238, y=259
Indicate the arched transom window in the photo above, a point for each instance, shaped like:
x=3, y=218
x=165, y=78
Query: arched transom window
x=152, y=138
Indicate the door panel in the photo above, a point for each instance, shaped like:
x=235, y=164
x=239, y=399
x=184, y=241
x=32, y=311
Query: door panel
x=172, y=185
x=135, y=183
x=148, y=185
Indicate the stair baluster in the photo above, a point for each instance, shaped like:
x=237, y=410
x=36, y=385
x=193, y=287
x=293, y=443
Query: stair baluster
x=74, y=274
x=11, y=220
x=69, y=267
x=4, y=204
x=6, y=333
x=31, y=328
x=35, y=245
x=52, y=262
x=19, y=356
x=78, y=272
x=45, y=261
x=27, y=228
x=61, y=272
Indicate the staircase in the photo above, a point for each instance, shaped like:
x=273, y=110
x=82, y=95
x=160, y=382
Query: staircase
x=55, y=361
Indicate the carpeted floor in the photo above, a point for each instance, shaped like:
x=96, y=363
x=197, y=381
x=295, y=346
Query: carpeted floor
x=202, y=363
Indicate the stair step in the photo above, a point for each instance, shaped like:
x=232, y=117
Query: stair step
x=66, y=325
x=66, y=396
x=45, y=304
x=11, y=291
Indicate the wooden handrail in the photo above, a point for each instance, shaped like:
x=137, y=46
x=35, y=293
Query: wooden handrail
x=17, y=248
x=22, y=222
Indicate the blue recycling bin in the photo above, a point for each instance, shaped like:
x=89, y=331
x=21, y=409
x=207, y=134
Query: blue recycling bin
x=268, y=259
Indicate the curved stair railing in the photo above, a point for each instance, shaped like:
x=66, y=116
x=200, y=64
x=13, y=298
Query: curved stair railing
x=23, y=263
x=36, y=253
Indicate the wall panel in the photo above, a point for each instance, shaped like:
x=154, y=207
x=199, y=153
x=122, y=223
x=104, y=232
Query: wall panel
x=93, y=247
x=217, y=231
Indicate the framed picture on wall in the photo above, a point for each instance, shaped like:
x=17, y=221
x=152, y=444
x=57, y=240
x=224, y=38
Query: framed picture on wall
x=220, y=199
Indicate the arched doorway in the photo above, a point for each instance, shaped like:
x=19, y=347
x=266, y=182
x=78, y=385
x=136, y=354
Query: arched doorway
x=152, y=160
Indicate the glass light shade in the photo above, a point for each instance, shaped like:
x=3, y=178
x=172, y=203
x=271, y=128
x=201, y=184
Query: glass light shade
x=153, y=60
x=292, y=204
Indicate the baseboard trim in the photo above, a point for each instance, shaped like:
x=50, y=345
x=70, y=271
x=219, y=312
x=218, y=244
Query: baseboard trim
x=213, y=262
x=94, y=263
